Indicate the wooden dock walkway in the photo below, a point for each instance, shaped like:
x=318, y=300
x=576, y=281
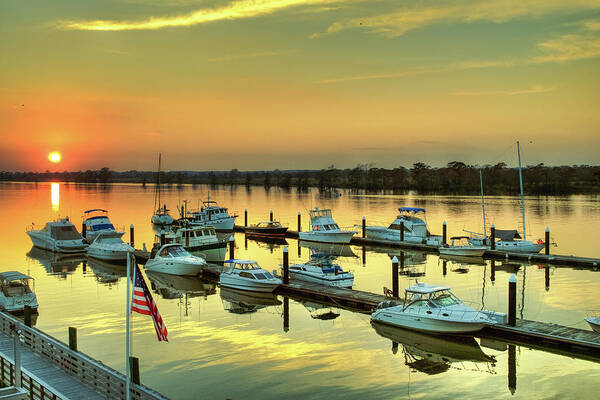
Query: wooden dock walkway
x=51, y=370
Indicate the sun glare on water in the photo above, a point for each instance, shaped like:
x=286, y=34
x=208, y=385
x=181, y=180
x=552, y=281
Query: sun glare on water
x=54, y=157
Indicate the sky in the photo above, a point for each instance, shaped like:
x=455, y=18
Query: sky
x=297, y=84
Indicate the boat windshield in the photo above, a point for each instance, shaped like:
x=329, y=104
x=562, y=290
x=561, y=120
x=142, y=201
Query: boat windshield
x=444, y=298
x=65, y=233
x=174, y=251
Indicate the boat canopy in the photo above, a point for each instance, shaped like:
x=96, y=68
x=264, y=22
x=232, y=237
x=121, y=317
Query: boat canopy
x=10, y=276
x=95, y=209
x=423, y=288
x=507, y=235
x=412, y=210
x=459, y=237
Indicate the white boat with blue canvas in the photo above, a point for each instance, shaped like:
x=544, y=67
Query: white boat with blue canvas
x=321, y=269
x=96, y=222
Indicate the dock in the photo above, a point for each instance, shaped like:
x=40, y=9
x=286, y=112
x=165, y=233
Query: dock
x=50, y=370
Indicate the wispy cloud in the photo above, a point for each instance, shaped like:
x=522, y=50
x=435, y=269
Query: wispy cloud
x=399, y=21
x=235, y=10
x=573, y=46
x=532, y=90
x=242, y=56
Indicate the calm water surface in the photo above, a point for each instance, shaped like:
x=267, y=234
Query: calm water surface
x=222, y=345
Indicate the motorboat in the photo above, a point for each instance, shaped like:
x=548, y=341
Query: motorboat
x=106, y=272
x=415, y=228
x=109, y=246
x=161, y=216
x=460, y=246
x=15, y=292
x=96, y=222
x=324, y=229
x=211, y=214
x=321, y=269
x=247, y=275
x=197, y=239
x=59, y=236
x=173, y=259
x=594, y=323
x=431, y=308
x=267, y=229
x=59, y=264
x=244, y=302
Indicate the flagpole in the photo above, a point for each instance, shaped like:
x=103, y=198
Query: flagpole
x=127, y=388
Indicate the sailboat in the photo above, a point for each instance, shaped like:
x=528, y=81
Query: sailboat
x=510, y=240
x=161, y=215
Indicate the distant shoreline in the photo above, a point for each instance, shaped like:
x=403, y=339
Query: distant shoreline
x=455, y=178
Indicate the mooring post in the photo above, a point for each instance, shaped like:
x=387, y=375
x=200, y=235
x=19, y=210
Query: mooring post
x=444, y=268
x=286, y=270
x=299, y=250
x=232, y=249
x=512, y=368
x=402, y=231
x=547, y=277
x=299, y=222
x=163, y=239
x=395, y=276
x=73, y=338
x=286, y=314
x=245, y=217
x=131, y=236
x=271, y=215
x=84, y=267
x=245, y=243
x=83, y=231
x=493, y=237
x=493, y=271
x=134, y=368
x=444, y=236
x=364, y=255
x=394, y=347
x=27, y=310
x=364, y=226
x=547, y=241
x=512, y=300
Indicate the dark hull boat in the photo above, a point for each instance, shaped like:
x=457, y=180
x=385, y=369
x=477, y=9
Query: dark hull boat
x=271, y=229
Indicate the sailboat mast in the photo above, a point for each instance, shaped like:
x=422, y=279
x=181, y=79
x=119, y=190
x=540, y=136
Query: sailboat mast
x=482, y=202
x=522, y=196
x=158, y=179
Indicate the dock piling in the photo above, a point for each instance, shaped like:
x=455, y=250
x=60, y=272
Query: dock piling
x=395, y=276
x=134, y=368
x=232, y=250
x=512, y=368
x=84, y=267
x=444, y=268
x=444, y=235
x=299, y=222
x=246, y=217
x=162, y=239
x=493, y=271
x=83, y=231
x=27, y=310
x=512, y=300
x=547, y=241
x=286, y=314
x=271, y=215
x=364, y=255
x=131, y=236
x=17, y=356
x=547, y=277
x=73, y=338
x=402, y=231
x=493, y=237
x=364, y=226
x=286, y=269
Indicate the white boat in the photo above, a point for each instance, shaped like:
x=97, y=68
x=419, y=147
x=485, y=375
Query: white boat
x=431, y=308
x=96, y=222
x=172, y=286
x=320, y=269
x=198, y=239
x=415, y=228
x=594, y=323
x=15, y=292
x=460, y=246
x=324, y=229
x=59, y=236
x=210, y=214
x=247, y=275
x=161, y=215
x=109, y=246
x=174, y=259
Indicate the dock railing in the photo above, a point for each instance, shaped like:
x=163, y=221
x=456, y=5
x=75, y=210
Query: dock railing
x=103, y=379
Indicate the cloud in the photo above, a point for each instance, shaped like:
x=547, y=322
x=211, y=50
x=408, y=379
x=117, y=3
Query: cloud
x=235, y=10
x=573, y=46
x=242, y=56
x=532, y=90
x=398, y=22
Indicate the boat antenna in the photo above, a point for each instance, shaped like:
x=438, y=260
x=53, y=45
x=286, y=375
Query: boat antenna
x=522, y=197
x=482, y=201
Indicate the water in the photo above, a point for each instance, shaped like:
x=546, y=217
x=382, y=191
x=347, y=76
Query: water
x=215, y=353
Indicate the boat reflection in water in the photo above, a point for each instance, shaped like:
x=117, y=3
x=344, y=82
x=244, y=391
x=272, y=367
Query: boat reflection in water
x=107, y=273
x=435, y=354
x=175, y=286
x=56, y=263
x=268, y=243
x=243, y=302
x=465, y=260
x=320, y=311
x=331, y=249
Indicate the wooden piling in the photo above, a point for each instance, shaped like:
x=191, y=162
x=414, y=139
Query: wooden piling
x=444, y=268
x=395, y=276
x=512, y=368
x=364, y=255
x=232, y=250
x=271, y=215
x=245, y=217
x=286, y=314
x=402, y=231
x=131, y=236
x=547, y=277
x=162, y=239
x=493, y=270
x=512, y=300
x=299, y=222
x=492, y=237
x=27, y=311
x=547, y=241
x=134, y=368
x=364, y=226
x=73, y=338
x=444, y=234
x=83, y=230
x=286, y=264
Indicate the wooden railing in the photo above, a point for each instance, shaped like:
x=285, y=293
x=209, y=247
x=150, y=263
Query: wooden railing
x=103, y=379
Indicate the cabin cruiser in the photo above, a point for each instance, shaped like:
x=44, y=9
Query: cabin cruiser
x=96, y=222
x=161, y=217
x=15, y=292
x=198, y=239
x=431, y=308
x=59, y=236
x=460, y=246
x=593, y=322
x=247, y=275
x=324, y=229
x=267, y=229
x=210, y=214
x=174, y=259
x=321, y=269
x=415, y=228
x=109, y=246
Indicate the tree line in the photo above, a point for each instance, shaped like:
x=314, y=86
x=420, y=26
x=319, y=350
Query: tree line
x=455, y=177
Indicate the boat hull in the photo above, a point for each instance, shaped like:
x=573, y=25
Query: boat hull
x=233, y=281
x=266, y=232
x=59, y=246
x=335, y=280
x=381, y=233
x=175, y=268
x=162, y=219
x=471, y=251
x=341, y=237
x=421, y=323
x=519, y=247
x=594, y=323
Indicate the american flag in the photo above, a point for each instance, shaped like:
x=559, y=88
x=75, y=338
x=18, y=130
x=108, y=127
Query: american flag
x=143, y=303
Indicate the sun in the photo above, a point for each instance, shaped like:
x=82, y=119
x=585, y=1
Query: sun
x=54, y=157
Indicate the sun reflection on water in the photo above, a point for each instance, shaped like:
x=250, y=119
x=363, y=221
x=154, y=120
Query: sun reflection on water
x=55, y=195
